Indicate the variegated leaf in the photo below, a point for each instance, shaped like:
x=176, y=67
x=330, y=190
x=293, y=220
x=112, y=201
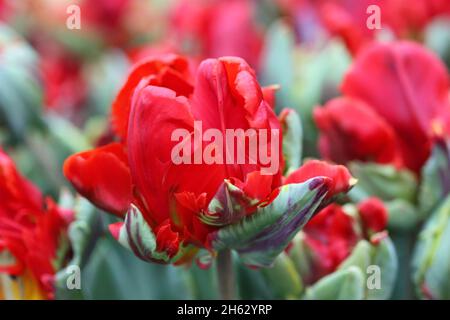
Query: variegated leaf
x=136, y=235
x=262, y=236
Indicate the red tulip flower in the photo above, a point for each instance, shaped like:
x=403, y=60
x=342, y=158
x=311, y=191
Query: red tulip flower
x=395, y=101
x=172, y=209
x=31, y=230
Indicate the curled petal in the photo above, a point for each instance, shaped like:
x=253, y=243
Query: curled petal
x=170, y=71
x=338, y=177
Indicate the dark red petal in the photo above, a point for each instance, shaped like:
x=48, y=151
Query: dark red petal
x=351, y=130
x=102, y=175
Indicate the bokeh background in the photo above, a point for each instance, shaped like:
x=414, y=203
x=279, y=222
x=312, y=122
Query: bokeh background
x=57, y=85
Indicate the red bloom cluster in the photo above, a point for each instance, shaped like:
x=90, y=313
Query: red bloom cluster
x=348, y=19
x=158, y=97
x=31, y=229
x=395, y=101
x=332, y=234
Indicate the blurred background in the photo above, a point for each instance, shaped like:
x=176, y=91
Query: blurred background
x=57, y=83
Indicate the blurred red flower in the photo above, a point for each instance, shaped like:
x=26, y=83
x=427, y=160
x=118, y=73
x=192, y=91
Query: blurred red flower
x=218, y=28
x=31, y=230
x=395, y=101
x=108, y=19
x=65, y=89
x=332, y=234
x=158, y=97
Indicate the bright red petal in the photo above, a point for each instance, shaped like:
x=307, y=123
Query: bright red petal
x=102, y=175
x=170, y=71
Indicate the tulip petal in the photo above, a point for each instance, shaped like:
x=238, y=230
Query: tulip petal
x=102, y=176
x=166, y=70
x=339, y=178
x=260, y=237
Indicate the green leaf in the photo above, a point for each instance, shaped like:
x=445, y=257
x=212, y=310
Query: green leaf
x=435, y=180
x=397, y=188
x=382, y=181
x=319, y=70
x=262, y=236
x=113, y=273
x=283, y=278
x=431, y=262
x=292, y=140
x=278, y=61
x=302, y=256
x=360, y=256
x=403, y=215
x=20, y=89
x=385, y=257
x=105, y=79
x=382, y=256
x=252, y=284
x=346, y=284
x=66, y=133
x=81, y=236
x=202, y=283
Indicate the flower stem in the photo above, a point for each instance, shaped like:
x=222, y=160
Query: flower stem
x=225, y=274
